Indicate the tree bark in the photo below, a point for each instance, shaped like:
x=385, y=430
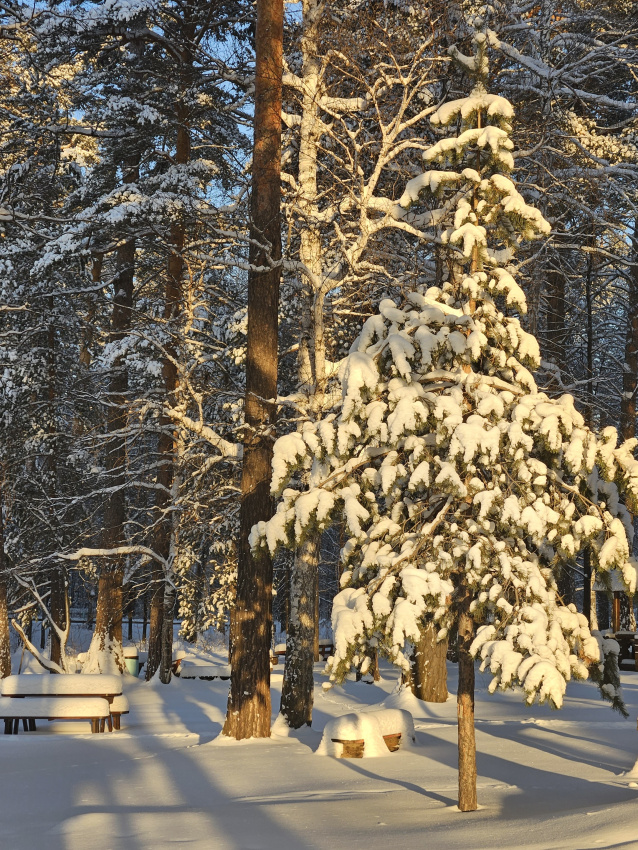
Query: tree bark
x=155, y=621
x=316, y=613
x=311, y=360
x=57, y=609
x=556, y=330
x=465, y=705
x=249, y=705
x=298, y=684
x=5, y=638
x=165, y=544
x=57, y=579
x=429, y=668
x=166, y=665
x=106, y=645
x=628, y=408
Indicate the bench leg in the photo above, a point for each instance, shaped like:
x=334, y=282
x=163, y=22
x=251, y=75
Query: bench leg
x=109, y=723
x=116, y=722
x=8, y=726
x=95, y=724
x=25, y=724
x=16, y=725
x=31, y=724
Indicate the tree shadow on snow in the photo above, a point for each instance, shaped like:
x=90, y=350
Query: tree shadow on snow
x=541, y=791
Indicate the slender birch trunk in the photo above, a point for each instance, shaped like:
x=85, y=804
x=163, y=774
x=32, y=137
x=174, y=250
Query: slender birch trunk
x=302, y=642
x=249, y=705
x=298, y=685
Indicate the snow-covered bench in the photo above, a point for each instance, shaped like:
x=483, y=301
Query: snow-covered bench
x=69, y=689
x=192, y=670
x=28, y=710
x=119, y=706
x=326, y=648
x=365, y=734
x=178, y=654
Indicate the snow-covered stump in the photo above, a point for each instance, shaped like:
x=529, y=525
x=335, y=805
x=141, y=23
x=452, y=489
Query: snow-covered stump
x=367, y=734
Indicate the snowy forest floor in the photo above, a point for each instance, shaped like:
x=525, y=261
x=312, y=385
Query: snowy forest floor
x=547, y=779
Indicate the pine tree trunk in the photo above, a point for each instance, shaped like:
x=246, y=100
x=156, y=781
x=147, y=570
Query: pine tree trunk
x=587, y=586
x=465, y=706
x=429, y=668
x=105, y=652
x=249, y=705
x=298, y=685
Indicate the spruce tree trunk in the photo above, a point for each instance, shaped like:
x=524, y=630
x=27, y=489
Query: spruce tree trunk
x=628, y=402
x=5, y=638
x=298, y=685
x=166, y=665
x=465, y=705
x=249, y=704
x=57, y=585
x=162, y=601
x=57, y=609
x=105, y=652
x=316, y=613
x=156, y=619
x=429, y=668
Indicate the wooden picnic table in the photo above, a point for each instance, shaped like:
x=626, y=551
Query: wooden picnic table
x=55, y=695
x=627, y=641
x=63, y=685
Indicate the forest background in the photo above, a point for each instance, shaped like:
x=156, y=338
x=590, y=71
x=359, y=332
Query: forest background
x=126, y=133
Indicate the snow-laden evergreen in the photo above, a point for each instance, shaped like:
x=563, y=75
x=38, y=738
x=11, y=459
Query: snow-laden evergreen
x=447, y=466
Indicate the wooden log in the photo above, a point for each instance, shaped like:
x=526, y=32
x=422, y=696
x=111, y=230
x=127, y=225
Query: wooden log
x=393, y=742
x=351, y=749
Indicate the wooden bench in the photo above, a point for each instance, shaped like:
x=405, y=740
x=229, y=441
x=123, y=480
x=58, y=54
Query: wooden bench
x=278, y=653
x=178, y=655
x=119, y=706
x=326, y=648
x=627, y=641
x=29, y=709
x=69, y=689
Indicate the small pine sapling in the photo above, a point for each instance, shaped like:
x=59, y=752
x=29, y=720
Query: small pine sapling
x=462, y=488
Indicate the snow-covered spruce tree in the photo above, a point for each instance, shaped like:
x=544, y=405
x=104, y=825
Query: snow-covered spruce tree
x=462, y=486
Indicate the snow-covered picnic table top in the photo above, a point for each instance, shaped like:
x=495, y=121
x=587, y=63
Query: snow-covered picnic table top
x=62, y=684
x=40, y=707
x=195, y=670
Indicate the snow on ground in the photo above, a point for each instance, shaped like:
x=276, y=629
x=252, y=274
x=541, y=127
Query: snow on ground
x=547, y=779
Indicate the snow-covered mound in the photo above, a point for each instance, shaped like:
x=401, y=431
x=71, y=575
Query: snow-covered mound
x=370, y=727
